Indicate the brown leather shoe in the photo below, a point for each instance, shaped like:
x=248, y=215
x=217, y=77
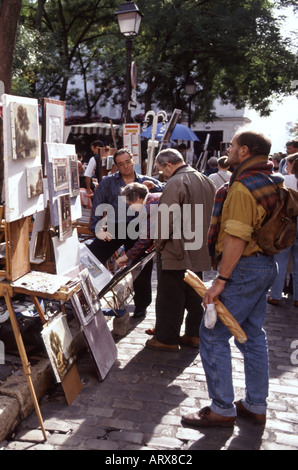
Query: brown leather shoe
x=206, y=418
x=274, y=302
x=296, y=303
x=192, y=341
x=245, y=413
x=158, y=346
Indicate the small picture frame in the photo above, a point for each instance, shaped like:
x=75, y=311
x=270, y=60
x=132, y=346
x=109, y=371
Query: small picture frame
x=60, y=174
x=34, y=180
x=85, y=302
x=74, y=175
x=64, y=215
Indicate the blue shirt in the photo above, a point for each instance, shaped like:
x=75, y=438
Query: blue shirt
x=107, y=193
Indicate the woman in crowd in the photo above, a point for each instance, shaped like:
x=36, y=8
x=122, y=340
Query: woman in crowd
x=282, y=259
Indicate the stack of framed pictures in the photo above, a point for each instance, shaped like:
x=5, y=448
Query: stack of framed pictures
x=96, y=332
x=63, y=186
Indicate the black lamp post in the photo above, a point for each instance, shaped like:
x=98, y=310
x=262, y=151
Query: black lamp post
x=190, y=90
x=129, y=20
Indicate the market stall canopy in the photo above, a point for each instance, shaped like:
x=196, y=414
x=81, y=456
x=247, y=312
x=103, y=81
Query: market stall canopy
x=99, y=128
x=180, y=132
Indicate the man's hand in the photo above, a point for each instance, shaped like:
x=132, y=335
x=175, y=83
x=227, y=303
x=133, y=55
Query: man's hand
x=104, y=236
x=122, y=260
x=149, y=184
x=213, y=292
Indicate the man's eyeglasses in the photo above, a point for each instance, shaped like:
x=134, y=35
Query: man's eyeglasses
x=126, y=163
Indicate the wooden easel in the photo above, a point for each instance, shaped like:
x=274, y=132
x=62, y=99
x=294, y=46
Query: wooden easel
x=15, y=236
x=17, y=265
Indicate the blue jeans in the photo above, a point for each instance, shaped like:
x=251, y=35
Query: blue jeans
x=245, y=298
x=282, y=260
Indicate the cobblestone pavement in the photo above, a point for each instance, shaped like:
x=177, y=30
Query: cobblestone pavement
x=139, y=404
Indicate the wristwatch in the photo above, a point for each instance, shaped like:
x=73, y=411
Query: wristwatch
x=222, y=278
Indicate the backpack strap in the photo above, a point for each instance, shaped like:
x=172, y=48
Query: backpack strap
x=98, y=167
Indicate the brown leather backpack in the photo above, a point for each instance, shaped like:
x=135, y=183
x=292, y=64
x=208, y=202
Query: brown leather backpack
x=279, y=232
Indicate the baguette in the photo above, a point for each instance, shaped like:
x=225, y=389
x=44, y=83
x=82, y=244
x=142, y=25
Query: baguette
x=224, y=315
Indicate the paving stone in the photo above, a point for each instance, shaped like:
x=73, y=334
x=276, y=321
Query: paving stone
x=140, y=403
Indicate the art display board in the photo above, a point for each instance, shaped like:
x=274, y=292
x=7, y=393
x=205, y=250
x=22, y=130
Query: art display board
x=62, y=186
x=23, y=194
x=67, y=253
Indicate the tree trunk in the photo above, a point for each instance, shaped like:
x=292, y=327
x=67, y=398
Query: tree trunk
x=9, y=17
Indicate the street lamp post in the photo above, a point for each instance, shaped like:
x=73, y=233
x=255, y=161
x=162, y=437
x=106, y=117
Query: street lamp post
x=190, y=90
x=129, y=20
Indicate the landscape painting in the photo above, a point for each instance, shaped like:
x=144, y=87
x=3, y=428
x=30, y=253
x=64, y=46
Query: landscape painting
x=25, y=131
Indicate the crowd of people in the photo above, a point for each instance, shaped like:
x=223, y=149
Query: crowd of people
x=195, y=220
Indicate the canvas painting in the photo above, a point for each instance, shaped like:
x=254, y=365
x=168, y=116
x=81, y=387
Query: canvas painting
x=25, y=129
x=64, y=212
x=58, y=342
x=34, y=181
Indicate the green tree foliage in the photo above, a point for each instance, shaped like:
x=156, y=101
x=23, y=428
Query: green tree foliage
x=233, y=49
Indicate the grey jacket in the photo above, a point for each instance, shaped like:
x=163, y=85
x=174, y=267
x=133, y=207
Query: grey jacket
x=184, y=216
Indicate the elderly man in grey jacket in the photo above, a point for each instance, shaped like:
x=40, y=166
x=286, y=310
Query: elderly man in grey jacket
x=181, y=243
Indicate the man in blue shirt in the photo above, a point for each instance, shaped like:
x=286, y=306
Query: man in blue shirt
x=109, y=222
